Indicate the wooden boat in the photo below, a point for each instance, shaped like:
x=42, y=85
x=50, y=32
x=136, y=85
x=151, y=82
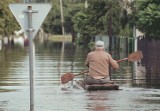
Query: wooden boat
x=95, y=87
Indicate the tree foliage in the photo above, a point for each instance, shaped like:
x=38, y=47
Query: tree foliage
x=95, y=19
x=148, y=17
x=53, y=23
x=8, y=24
x=98, y=18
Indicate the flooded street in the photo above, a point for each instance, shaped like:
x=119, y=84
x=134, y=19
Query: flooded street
x=52, y=61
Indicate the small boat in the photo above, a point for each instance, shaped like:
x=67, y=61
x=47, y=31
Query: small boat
x=95, y=87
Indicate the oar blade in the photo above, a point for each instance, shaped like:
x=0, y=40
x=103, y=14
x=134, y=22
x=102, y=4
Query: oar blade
x=135, y=56
x=66, y=78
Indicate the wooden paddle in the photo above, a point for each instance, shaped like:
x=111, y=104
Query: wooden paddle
x=135, y=56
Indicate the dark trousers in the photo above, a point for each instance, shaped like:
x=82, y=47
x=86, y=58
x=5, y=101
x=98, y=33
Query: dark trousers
x=90, y=80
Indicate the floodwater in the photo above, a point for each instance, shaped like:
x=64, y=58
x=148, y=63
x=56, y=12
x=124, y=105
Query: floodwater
x=51, y=61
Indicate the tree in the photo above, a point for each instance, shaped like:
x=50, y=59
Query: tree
x=98, y=17
x=101, y=17
x=8, y=24
x=52, y=23
x=72, y=10
x=148, y=17
x=81, y=26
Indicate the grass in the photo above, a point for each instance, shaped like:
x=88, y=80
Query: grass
x=60, y=38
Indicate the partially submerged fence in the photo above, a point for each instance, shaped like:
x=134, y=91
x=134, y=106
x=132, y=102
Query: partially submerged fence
x=121, y=46
x=151, y=59
x=149, y=70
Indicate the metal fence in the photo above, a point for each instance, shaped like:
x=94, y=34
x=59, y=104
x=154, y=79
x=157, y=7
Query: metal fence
x=151, y=59
x=121, y=46
x=149, y=69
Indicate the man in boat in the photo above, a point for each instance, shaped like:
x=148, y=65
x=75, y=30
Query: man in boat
x=98, y=62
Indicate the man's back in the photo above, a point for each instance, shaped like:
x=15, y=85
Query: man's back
x=99, y=62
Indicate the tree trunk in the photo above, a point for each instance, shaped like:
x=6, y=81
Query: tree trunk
x=110, y=34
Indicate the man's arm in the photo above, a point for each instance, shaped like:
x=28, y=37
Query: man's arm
x=113, y=62
x=87, y=61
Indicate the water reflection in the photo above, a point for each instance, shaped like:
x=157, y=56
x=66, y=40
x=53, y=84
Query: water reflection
x=97, y=102
x=50, y=95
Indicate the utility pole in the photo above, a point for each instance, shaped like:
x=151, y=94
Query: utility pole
x=86, y=4
x=62, y=18
x=62, y=21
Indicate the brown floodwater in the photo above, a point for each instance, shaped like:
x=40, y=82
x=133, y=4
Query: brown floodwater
x=51, y=61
